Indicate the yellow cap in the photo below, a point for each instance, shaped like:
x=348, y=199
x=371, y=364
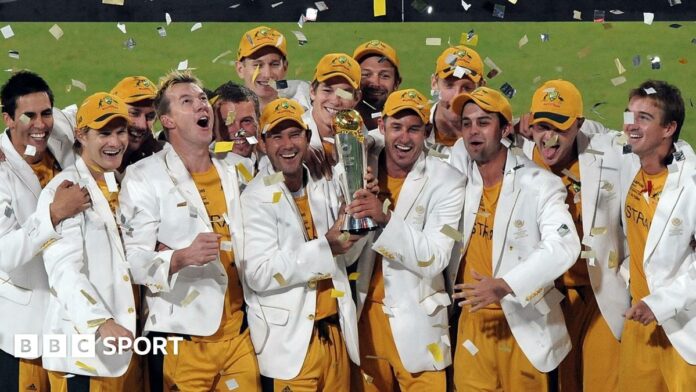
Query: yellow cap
x=280, y=110
x=557, y=102
x=261, y=37
x=376, y=47
x=134, y=89
x=459, y=56
x=338, y=64
x=98, y=109
x=487, y=99
x=407, y=99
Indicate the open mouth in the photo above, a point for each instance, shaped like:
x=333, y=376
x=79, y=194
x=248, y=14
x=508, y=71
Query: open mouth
x=203, y=122
x=403, y=147
x=39, y=136
x=331, y=111
x=112, y=152
x=634, y=135
x=549, y=152
x=288, y=155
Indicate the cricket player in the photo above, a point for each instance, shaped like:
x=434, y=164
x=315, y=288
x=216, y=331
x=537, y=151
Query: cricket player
x=379, y=68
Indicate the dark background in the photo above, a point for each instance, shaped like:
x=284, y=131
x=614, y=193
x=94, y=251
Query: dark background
x=339, y=10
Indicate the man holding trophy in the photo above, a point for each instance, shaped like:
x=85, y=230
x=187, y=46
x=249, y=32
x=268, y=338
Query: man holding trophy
x=402, y=301
x=302, y=316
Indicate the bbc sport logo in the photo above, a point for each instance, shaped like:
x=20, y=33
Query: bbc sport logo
x=86, y=345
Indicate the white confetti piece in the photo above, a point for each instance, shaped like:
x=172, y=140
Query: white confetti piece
x=629, y=118
x=112, y=2
x=7, y=32
x=341, y=93
x=301, y=38
x=78, y=84
x=321, y=6
x=226, y=246
x=276, y=4
x=648, y=18
x=221, y=55
x=30, y=150
x=650, y=91
x=111, y=183
x=311, y=14
x=233, y=6
x=231, y=384
x=161, y=31
x=577, y=15
x=190, y=298
x=122, y=27
x=183, y=65
x=273, y=179
x=465, y=5
x=470, y=347
x=433, y=41
x=452, y=233
x=168, y=18
x=459, y=72
x=252, y=140
x=523, y=41
x=618, y=80
x=56, y=31
x=196, y=26
x=13, y=54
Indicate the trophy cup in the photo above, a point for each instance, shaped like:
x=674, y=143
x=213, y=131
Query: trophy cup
x=350, y=146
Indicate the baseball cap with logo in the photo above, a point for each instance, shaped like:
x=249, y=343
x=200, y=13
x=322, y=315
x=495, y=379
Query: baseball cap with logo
x=338, y=64
x=407, y=99
x=98, y=109
x=261, y=37
x=557, y=102
x=378, y=48
x=134, y=89
x=487, y=99
x=459, y=56
x=280, y=110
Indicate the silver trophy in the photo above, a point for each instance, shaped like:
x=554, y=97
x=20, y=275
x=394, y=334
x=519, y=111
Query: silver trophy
x=350, y=148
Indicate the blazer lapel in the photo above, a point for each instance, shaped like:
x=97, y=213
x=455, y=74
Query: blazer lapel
x=590, y=174
x=183, y=182
x=412, y=187
x=503, y=211
x=668, y=200
x=473, y=192
x=20, y=167
x=317, y=194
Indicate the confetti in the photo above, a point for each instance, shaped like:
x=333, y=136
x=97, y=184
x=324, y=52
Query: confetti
x=311, y=14
x=83, y=365
x=190, y=297
x=426, y=263
x=161, y=31
x=276, y=4
x=95, y=322
x=129, y=43
x=279, y=278
x=598, y=230
x=470, y=347
x=508, y=90
x=231, y=384
x=343, y=237
x=341, y=93
x=459, y=72
x=244, y=172
x=544, y=37
x=196, y=26
x=167, y=18
x=421, y=6
x=619, y=66
x=523, y=41
x=183, y=65
x=7, y=32
x=551, y=142
x=616, y=12
x=354, y=276
x=221, y=55
x=436, y=352
x=683, y=60
x=495, y=70
x=577, y=15
x=629, y=118
x=594, y=152
x=563, y=230
x=499, y=11
x=226, y=246
x=465, y=5
x=367, y=377
x=650, y=91
x=112, y=2
x=613, y=259
x=385, y=206
x=30, y=150
x=111, y=183
x=252, y=140
x=618, y=80
x=301, y=38
x=337, y=293
x=122, y=27
x=89, y=297
x=655, y=62
x=588, y=254
x=648, y=18
x=379, y=8
x=13, y=54
x=321, y=6
x=675, y=25
x=452, y=233
x=56, y=31
x=301, y=22
x=221, y=147
x=570, y=175
x=672, y=3
x=273, y=179
x=433, y=41
x=234, y=5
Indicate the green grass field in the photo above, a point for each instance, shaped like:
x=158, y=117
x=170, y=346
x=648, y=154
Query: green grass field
x=582, y=52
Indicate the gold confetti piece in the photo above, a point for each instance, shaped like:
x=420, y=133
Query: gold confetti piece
x=354, y=276
x=226, y=246
x=618, y=81
x=588, y=254
x=473, y=41
x=379, y=7
x=367, y=377
x=619, y=66
x=190, y=298
x=613, y=259
x=523, y=41
x=385, y=206
x=506, y=348
x=343, y=237
x=594, y=152
x=280, y=279
x=341, y=93
x=436, y=352
x=56, y=31
x=598, y=231
x=231, y=116
x=570, y=175
x=375, y=357
x=256, y=73
x=24, y=119
x=95, y=322
x=426, y=263
x=112, y=2
x=221, y=147
x=483, y=214
x=89, y=297
x=434, y=153
x=83, y=365
x=471, y=347
x=245, y=173
x=277, y=196
x=273, y=179
x=337, y=293
x=433, y=41
x=452, y=233
x=551, y=142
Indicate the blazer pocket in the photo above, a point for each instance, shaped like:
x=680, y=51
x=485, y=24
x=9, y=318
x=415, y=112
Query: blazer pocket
x=275, y=316
x=15, y=294
x=434, y=302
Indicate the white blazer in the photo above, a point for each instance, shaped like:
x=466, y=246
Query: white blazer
x=281, y=267
x=24, y=231
x=600, y=175
x=89, y=278
x=534, y=242
x=414, y=255
x=669, y=259
x=160, y=203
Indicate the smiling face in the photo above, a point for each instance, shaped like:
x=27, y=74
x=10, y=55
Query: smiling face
x=32, y=124
x=378, y=80
x=142, y=116
x=648, y=132
x=482, y=133
x=404, y=138
x=190, y=117
x=555, y=146
x=271, y=66
x=245, y=125
x=103, y=149
x=326, y=102
x=286, y=145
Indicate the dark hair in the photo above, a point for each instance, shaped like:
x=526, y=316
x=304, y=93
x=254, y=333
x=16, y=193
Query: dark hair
x=236, y=93
x=668, y=98
x=20, y=84
x=397, y=76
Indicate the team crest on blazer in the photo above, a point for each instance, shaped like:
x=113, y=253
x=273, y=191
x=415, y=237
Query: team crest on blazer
x=676, y=227
x=521, y=232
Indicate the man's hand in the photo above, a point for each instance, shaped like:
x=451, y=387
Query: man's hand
x=204, y=249
x=365, y=204
x=111, y=329
x=523, y=126
x=318, y=163
x=641, y=313
x=371, y=182
x=69, y=200
x=484, y=292
x=339, y=243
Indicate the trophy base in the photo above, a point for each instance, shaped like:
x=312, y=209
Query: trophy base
x=358, y=226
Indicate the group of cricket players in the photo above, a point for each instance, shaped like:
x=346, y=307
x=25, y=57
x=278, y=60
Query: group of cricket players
x=539, y=253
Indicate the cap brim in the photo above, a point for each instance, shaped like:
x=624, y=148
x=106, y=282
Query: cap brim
x=361, y=55
x=269, y=126
x=442, y=74
x=324, y=77
x=102, y=121
x=401, y=108
x=557, y=120
x=256, y=49
x=461, y=100
x=138, y=98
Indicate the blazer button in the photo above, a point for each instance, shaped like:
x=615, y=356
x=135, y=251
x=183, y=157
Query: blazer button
x=131, y=310
x=312, y=284
x=310, y=317
x=126, y=278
